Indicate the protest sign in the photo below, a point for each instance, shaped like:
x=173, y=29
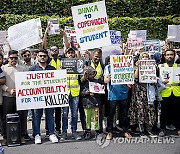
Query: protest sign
x=172, y=74
x=25, y=34
x=3, y=35
x=4, y=49
x=122, y=69
x=138, y=34
x=115, y=37
x=147, y=71
x=91, y=25
x=73, y=65
x=54, y=26
x=173, y=33
x=71, y=36
x=134, y=43
x=96, y=88
x=41, y=89
x=152, y=46
x=114, y=48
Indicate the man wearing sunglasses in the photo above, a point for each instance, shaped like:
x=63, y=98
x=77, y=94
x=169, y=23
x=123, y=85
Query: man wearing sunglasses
x=42, y=58
x=55, y=62
x=9, y=94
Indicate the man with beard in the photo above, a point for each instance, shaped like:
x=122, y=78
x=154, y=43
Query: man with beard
x=55, y=62
x=170, y=106
x=42, y=58
x=27, y=63
x=97, y=64
x=27, y=60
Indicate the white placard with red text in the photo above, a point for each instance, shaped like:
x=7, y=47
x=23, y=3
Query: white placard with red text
x=41, y=89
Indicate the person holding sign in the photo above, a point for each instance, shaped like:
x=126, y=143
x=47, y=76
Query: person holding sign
x=9, y=94
x=170, y=106
x=117, y=94
x=44, y=42
x=90, y=102
x=49, y=112
x=73, y=82
x=140, y=111
x=97, y=64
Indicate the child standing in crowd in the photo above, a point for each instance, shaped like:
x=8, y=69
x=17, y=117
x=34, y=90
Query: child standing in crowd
x=90, y=102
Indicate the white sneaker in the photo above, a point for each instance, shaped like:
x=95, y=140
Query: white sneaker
x=53, y=138
x=37, y=139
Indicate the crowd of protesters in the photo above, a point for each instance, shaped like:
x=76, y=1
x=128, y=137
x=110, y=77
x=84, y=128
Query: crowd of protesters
x=123, y=108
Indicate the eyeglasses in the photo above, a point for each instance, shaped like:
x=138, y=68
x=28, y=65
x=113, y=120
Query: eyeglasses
x=26, y=55
x=13, y=58
x=53, y=49
x=42, y=56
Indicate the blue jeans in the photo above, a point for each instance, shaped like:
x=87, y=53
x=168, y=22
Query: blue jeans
x=73, y=103
x=37, y=114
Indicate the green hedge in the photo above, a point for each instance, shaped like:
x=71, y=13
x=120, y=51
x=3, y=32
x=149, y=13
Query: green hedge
x=156, y=27
x=115, y=8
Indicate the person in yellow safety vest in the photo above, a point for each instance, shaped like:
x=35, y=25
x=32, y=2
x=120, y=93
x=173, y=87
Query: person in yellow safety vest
x=97, y=64
x=73, y=82
x=170, y=106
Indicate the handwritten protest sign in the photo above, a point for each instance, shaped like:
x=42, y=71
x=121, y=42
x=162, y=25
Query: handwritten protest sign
x=91, y=25
x=134, y=43
x=41, y=89
x=3, y=35
x=115, y=37
x=122, y=69
x=96, y=88
x=138, y=34
x=152, y=46
x=73, y=65
x=54, y=26
x=147, y=71
x=71, y=36
x=170, y=74
x=25, y=34
x=174, y=33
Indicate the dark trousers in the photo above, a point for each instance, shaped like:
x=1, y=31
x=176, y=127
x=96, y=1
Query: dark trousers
x=58, y=118
x=156, y=112
x=123, y=112
x=82, y=114
x=1, y=119
x=9, y=107
x=170, y=108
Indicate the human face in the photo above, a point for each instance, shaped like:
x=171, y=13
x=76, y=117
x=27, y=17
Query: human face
x=42, y=57
x=96, y=57
x=27, y=56
x=145, y=57
x=70, y=54
x=92, y=75
x=169, y=56
x=12, y=59
x=54, y=51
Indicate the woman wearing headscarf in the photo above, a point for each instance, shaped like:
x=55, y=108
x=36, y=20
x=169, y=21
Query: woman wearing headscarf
x=140, y=112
